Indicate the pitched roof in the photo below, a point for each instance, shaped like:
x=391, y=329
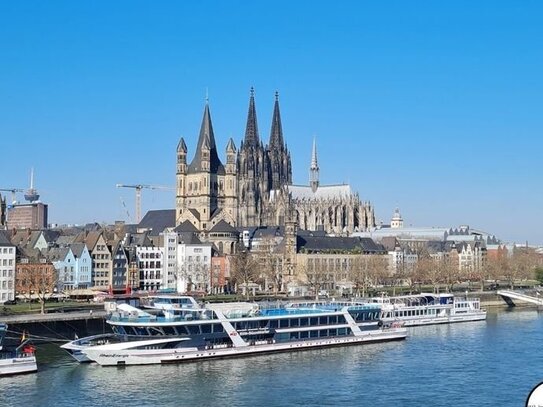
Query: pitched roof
x=348, y=244
x=223, y=226
x=4, y=241
x=206, y=139
x=188, y=238
x=92, y=239
x=323, y=192
x=57, y=253
x=65, y=240
x=186, y=226
x=78, y=249
x=158, y=220
x=195, y=213
x=50, y=236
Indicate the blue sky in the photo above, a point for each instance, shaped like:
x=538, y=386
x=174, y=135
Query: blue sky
x=434, y=107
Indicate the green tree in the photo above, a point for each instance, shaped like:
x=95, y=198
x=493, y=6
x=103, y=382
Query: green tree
x=539, y=274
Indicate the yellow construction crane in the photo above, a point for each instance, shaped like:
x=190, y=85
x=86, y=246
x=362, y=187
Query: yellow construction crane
x=13, y=192
x=138, y=188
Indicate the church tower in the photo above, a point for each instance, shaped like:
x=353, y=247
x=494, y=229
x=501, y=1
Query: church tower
x=231, y=182
x=201, y=185
x=252, y=170
x=181, y=176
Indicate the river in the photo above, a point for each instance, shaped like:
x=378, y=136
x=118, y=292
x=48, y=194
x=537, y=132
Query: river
x=491, y=363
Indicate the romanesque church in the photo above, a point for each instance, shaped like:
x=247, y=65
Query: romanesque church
x=254, y=187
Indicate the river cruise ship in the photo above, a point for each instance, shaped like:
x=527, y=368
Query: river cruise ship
x=16, y=360
x=229, y=330
x=429, y=309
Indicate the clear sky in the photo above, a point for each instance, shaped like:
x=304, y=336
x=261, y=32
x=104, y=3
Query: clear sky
x=432, y=106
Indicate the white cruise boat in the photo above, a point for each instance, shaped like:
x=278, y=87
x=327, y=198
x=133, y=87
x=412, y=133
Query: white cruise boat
x=230, y=330
x=429, y=309
x=18, y=360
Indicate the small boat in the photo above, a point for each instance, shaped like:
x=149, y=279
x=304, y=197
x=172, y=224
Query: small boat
x=18, y=360
x=231, y=330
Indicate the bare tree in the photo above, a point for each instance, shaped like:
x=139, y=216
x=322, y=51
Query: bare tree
x=359, y=275
x=522, y=264
x=36, y=279
x=449, y=273
x=271, y=263
x=244, y=269
x=314, y=274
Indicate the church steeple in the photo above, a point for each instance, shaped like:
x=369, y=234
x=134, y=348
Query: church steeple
x=314, y=168
x=276, y=135
x=206, y=145
x=251, y=130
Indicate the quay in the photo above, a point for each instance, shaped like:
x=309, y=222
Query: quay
x=53, y=317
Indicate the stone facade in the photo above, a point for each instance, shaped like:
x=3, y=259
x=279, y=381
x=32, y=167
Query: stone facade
x=255, y=187
x=206, y=189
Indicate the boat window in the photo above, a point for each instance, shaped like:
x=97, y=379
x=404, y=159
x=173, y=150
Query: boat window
x=342, y=331
x=332, y=319
x=304, y=334
x=217, y=328
x=323, y=333
x=340, y=319
x=140, y=330
x=304, y=321
x=313, y=321
x=323, y=320
x=206, y=328
x=169, y=330
x=182, y=330
x=273, y=324
x=155, y=331
x=283, y=323
x=294, y=335
x=194, y=329
x=314, y=334
x=295, y=322
x=332, y=332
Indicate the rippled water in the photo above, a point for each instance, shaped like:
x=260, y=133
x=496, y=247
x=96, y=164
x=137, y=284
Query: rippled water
x=492, y=363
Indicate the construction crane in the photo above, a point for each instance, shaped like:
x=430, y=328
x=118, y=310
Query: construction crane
x=126, y=209
x=13, y=192
x=138, y=188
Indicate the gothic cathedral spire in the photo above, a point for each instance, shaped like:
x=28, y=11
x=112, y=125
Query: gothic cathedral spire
x=314, y=168
x=276, y=135
x=251, y=130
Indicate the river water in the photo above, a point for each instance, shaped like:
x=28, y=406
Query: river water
x=491, y=363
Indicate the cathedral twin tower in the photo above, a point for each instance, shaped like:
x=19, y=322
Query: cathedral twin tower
x=237, y=192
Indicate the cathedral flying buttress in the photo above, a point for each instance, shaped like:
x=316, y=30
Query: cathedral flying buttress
x=334, y=209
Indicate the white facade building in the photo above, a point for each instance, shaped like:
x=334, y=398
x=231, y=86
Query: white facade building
x=169, y=262
x=193, y=267
x=150, y=267
x=7, y=271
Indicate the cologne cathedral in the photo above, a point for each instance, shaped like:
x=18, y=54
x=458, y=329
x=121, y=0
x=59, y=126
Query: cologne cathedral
x=254, y=187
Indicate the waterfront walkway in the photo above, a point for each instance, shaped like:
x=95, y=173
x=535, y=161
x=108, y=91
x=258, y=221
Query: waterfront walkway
x=53, y=316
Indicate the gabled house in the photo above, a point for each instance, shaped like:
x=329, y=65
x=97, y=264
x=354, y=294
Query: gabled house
x=83, y=265
x=101, y=258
